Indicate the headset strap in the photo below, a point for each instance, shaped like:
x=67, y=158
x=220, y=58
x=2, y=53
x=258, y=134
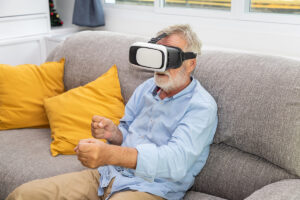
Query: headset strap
x=185, y=55
x=156, y=39
x=188, y=55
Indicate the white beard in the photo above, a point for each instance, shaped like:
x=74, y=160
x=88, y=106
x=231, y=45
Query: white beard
x=169, y=83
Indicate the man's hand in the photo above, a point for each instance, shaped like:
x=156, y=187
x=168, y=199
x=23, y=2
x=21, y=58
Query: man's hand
x=92, y=153
x=103, y=128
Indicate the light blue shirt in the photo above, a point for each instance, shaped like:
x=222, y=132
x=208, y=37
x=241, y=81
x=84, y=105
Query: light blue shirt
x=172, y=137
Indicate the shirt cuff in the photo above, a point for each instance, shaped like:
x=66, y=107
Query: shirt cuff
x=146, y=161
x=123, y=130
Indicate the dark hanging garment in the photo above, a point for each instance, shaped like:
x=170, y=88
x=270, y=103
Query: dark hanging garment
x=88, y=13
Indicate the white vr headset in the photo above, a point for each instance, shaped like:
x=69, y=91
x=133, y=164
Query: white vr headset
x=157, y=57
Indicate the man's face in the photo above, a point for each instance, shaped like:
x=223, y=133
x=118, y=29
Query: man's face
x=172, y=78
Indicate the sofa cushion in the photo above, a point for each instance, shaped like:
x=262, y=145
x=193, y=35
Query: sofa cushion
x=70, y=114
x=191, y=195
x=22, y=91
x=234, y=174
x=25, y=156
x=258, y=101
x=282, y=190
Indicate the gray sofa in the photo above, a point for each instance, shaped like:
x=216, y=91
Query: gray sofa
x=256, y=150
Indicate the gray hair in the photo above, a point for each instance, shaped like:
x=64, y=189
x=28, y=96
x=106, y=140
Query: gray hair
x=193, y=42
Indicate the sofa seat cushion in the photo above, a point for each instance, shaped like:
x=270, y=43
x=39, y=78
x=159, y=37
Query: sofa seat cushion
x=282, y=190
x=192, y=195
x=25, y=156
x=233, y=174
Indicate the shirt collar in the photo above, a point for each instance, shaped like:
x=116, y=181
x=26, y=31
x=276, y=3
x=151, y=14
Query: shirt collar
x=155, y=90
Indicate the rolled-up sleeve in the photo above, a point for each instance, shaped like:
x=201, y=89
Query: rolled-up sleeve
x=147, y=155
x=193, y=134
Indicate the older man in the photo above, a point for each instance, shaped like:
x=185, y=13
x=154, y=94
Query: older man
x=160, y=145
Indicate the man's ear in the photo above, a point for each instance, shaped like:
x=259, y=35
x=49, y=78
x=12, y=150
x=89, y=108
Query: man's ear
x=191, y=65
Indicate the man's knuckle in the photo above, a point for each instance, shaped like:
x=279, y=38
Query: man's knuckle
x=99, y=131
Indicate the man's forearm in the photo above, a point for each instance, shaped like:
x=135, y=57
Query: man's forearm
x=122, y=156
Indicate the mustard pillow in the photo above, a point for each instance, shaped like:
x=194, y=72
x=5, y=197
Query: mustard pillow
x=22, y=91
x=70, y=114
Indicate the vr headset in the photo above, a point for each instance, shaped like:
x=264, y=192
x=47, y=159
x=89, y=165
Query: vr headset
x=155, y=57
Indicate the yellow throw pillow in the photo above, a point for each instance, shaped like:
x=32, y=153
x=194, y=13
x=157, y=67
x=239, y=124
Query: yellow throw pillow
x=70, y=114
x=23, y=89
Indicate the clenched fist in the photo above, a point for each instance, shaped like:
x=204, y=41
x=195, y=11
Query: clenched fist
x=92, y=153
x=103, y=128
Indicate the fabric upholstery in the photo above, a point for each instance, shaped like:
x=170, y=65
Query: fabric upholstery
x=25, y=156
x=234, y=174
x=191, y=195
x=70, y=114
x=282, y=190
x=258, y=101
x=23, y=89
x=93, y=58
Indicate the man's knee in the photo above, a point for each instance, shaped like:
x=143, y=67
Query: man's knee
x=76, y=185
x=23, y=192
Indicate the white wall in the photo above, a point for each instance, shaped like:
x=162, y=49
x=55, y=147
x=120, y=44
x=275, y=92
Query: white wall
x=266, y=38
x=22, y=28
x=25, y=32
x=65, y=10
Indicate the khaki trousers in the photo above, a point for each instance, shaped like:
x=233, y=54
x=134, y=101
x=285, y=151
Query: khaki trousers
x=73, y=186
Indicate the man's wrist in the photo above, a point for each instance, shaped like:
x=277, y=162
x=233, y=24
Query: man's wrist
x=112, y=138
x=117, y=137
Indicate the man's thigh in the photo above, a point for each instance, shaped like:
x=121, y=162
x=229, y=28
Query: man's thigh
x=76, y=185
x=134, y=195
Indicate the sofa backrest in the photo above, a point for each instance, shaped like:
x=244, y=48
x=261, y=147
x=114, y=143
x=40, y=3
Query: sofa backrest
x=258, y=137
x=91, y=53
x=258, y=99
x=259, y=104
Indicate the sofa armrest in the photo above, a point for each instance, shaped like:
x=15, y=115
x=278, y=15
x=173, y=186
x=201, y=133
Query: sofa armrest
x=282, y=190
